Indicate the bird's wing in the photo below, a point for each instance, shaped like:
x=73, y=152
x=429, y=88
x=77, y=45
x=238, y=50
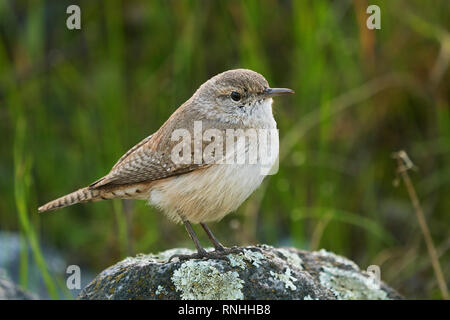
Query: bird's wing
x=131, y=151
x=143, y=163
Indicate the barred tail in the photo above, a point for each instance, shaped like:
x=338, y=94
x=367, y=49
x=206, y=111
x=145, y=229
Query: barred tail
x=81, y=195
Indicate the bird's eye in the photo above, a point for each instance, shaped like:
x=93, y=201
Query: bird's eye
x=236, y=96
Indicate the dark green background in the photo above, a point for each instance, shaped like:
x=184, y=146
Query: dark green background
x=72, y=102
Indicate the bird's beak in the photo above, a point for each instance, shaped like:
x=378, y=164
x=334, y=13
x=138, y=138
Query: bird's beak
x=270, y=92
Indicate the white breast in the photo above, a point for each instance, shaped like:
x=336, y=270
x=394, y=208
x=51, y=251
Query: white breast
x=207, y=194
x=211, y=193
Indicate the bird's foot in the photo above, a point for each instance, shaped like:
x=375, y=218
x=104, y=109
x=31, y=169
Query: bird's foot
x=220, y=253
x=226, y=251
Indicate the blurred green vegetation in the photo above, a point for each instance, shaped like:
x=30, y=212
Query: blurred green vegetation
x=72, y=102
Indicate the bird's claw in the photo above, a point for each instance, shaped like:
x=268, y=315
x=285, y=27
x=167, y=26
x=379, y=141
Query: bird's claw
x=220, y=253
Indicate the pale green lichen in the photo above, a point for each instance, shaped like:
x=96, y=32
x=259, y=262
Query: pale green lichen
x=237, y=260
x=160, y=257
x=160, y=290
x=348, y=285
x=308, y=297
x=335, y=257
x=286, y=278
x=201, y=280
x=292, y=258
x=254, y=257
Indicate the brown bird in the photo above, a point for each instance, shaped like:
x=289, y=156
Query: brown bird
x=196, y=180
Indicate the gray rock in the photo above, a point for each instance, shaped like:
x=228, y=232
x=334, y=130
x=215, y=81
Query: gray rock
x=10, y=291
x=260, y=272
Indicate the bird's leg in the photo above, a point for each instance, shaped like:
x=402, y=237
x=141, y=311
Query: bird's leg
x=201, y=252
x=219, y=247
x=212, y=238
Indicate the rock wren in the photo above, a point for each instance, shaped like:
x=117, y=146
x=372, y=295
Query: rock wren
x=192, y=191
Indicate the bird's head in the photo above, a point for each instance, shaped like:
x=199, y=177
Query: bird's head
x=237, y=96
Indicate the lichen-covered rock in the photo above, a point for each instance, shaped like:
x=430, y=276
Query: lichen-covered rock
x=260, y=272
x=10, y=291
